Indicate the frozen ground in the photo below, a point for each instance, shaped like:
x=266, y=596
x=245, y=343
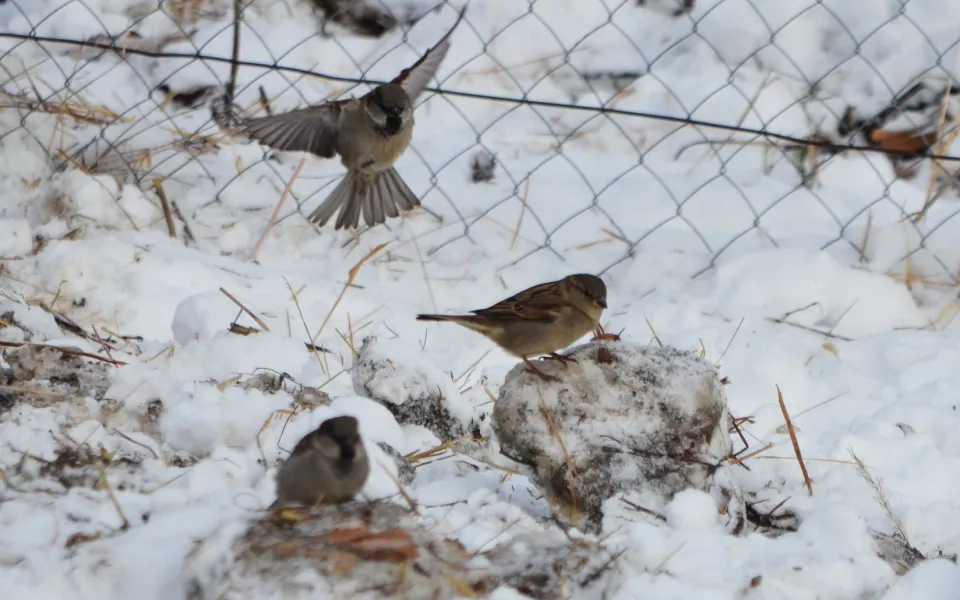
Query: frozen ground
x=186, y=444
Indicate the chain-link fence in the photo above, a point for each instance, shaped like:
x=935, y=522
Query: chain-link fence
x=573, y=128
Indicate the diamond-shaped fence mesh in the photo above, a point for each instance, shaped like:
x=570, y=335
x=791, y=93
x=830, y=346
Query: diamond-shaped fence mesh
x=567, y=128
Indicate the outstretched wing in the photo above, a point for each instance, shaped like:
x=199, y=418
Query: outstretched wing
x=314, y=130
x=542, y=303
x=415, y=78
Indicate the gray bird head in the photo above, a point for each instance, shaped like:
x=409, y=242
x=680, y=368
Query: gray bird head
x=586, y=288
x=388, y=106
x=339, y=438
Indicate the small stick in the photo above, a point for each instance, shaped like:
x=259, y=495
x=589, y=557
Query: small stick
x=276, y=211
x=245, y=309
x=796, y=444
x=103, y=344
x=810, y=329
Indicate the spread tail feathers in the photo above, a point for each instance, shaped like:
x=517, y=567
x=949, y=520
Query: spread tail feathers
x=377, y=196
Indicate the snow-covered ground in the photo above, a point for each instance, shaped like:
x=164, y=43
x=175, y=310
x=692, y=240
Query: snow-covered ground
x=707, y=246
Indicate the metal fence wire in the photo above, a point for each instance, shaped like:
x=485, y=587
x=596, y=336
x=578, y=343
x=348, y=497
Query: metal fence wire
x=567, y=128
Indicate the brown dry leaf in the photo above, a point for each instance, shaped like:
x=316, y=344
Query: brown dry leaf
x=909, y=140
x=831, y=348
x=80, y=538
x=343, y=536
x=393, y=545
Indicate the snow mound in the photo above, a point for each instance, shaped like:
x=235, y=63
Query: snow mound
x=400, y=378
x=622, y=418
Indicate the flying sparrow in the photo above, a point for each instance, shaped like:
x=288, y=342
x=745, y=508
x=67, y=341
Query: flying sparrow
x=539, y=320
x=369, y=134
x=328, y=466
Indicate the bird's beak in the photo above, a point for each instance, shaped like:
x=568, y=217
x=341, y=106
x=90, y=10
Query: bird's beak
x=601, y=303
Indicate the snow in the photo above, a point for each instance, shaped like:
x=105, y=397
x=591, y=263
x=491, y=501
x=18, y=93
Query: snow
x=691, y=509
x=827, y=290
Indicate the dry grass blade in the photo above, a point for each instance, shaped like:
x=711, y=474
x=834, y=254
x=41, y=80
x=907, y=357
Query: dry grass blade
x=880, y=496
x=523, y=210
x=95, y=115
x=350, y=277
x=165, y=204
x=415, y=457
x=940, y=143
x=571, y=468
x=16, y=389
x=70, y=351
x=124, y=523
x=306, y=329
x=796, y=444
x=736, y=460
x=276, y=210
x=245, y=309
x=136, y=443
x=399, y=484
x=653, y=331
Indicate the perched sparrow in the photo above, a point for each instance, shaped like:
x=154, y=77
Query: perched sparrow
x=369, y=134
x=328, y=466
x=541, y=319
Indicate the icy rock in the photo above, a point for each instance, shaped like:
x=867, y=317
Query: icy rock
x=416, y=392
x=631, y=418
x=405, y=471
x=382, y=550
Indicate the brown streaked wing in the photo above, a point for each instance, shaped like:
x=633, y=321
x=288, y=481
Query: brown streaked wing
x=416, y=77
x=305, y=444
x=312, y=130
x=538, y=303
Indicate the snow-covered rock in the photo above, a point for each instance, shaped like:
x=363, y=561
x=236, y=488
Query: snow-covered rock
x=622, y=418
x=383, y=550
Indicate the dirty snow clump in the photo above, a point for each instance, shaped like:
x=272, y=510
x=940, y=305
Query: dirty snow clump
x=622, y=418
x=397, y=376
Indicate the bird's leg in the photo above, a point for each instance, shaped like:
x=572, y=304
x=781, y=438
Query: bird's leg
x=564, y=360
x=538, y=372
